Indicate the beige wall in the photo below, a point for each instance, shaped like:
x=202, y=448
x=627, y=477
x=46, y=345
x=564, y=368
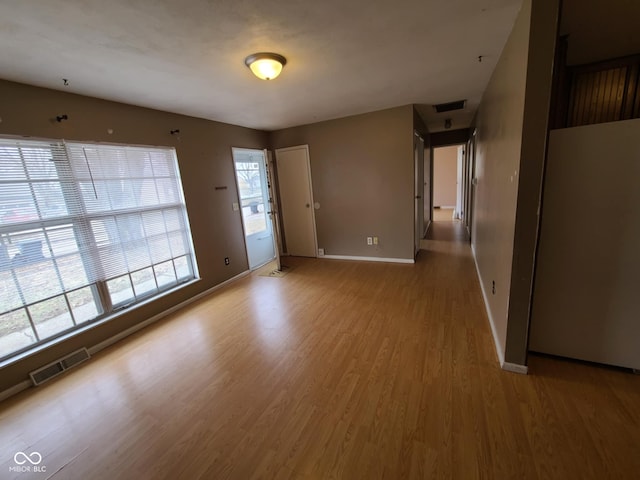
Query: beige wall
x=588, y=267
x=542, y=46
x=204, y=153
x=512, y=127
x=499, y=137
x=445, y=176
x=362, y=170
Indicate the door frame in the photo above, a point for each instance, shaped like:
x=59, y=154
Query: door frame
x=274, y=202
x=418, y=191
x=310, y=185
x=460, y=173
x=471, y=185
x=239, y=200
x=462, y=151
x=427, y=191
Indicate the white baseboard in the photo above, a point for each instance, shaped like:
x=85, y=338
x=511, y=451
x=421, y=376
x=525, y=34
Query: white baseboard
x=507, y=366
x=499, y=350
x=138, y=326
x=370, y=259
x=515, y=368
x=11, y=391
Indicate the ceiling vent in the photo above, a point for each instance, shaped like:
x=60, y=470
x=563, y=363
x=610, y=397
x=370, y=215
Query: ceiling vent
x=54, y=369
x=448, y=107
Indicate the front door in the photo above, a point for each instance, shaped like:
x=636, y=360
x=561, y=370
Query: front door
x=253, y=194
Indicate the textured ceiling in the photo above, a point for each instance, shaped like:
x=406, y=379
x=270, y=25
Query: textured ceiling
x=344, y=56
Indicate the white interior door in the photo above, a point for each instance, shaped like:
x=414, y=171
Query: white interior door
x=296, y=198
x=251, y=177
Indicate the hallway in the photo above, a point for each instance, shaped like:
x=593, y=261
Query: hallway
x=338, y=369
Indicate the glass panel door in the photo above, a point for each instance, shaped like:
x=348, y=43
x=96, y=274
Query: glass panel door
x=254, y=205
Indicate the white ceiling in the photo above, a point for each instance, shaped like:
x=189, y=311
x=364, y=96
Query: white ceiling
x=345, y=57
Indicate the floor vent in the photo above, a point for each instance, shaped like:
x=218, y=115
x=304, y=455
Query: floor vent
x=54, y=369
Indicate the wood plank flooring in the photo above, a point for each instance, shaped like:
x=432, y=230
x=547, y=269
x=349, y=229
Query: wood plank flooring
x=340, y=370
x=443, y=214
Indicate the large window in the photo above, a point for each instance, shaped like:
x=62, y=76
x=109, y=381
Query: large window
x=85, y=230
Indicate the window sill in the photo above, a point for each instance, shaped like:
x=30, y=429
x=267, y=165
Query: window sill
x=48, y=344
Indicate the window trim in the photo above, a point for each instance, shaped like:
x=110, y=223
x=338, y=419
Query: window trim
x=107, y=311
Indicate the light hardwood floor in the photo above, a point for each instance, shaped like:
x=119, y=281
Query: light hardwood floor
x=336, y=370
x=443, y=214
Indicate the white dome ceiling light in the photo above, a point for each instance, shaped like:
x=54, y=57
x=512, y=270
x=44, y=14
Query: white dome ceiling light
x=265, y=65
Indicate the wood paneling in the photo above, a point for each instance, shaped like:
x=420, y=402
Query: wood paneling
x=604, y=92
x=598, y=96
x=633, y=101
x=342, y=370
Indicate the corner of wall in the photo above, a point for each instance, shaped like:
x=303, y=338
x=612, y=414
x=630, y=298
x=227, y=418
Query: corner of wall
x=541, y=55
x=515, y=368
x=497, y=151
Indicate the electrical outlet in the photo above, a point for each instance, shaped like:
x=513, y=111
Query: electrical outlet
x=321, y=252
x=226, y=260
x=369, y=241
x=375, y=240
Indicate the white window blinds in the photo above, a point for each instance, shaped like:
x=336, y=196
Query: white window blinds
x=85, y=229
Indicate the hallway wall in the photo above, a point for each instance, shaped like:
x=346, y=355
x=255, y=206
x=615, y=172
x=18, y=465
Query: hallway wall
x=512, y=125
x=499, y=138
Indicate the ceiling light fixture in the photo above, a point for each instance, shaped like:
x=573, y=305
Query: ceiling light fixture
x=265, y=65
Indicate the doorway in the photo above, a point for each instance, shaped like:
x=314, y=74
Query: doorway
x=447, y=183
x=296, y=198
x=253, y=193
